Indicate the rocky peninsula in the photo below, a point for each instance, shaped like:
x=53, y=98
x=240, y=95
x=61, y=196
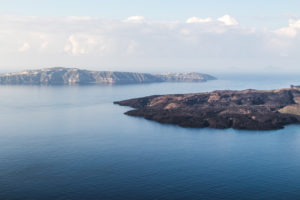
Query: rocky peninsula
x=68, y=76
x=246, y=109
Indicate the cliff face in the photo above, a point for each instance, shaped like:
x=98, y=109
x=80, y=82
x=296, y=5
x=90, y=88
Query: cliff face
x=62, y=76
x=248, y=109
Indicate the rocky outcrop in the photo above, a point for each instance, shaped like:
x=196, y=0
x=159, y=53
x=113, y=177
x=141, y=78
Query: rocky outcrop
x=62, y=76
x=247, y=109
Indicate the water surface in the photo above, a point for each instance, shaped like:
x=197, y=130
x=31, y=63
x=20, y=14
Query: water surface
x=71, y=142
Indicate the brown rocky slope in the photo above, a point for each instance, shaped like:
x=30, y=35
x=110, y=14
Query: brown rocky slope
x=247, y=109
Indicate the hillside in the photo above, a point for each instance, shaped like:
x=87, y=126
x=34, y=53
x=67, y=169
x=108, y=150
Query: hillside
x=247, y=109
x=65, y=76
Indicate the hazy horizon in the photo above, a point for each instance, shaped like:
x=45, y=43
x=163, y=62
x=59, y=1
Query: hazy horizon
x=246, y=74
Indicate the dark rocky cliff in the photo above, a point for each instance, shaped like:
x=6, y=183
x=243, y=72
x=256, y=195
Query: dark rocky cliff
x=248, y=109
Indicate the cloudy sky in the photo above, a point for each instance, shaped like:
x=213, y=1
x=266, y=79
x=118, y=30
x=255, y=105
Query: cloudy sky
x=151, y=36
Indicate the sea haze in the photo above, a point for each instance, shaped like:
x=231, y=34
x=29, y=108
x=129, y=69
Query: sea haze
x=72, y=142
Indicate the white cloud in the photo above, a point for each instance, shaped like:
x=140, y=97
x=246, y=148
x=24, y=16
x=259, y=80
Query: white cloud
x=287, y=31
x=81, y=18
x=135, y=19
x=132, y=47
x=228, y=20
x=295, y=24
x=140, y=44
x=44, y=45
x=25, y=47
x=83, y=43
x=198, y=20
x=75, y=48
x=290, y=31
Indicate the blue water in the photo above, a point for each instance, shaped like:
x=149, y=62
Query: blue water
x=72, y=143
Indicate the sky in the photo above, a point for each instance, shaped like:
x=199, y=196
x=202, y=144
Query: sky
x=215, y=36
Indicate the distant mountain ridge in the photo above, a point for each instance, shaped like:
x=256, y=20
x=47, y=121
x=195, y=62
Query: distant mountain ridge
x=67, y=76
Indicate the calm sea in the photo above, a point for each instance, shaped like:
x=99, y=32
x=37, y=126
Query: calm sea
x=71, y=142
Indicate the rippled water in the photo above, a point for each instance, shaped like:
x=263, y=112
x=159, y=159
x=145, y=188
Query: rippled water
x=73, y=143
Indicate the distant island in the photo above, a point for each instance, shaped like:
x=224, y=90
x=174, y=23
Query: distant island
x=67, y=76
x=247, y=109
